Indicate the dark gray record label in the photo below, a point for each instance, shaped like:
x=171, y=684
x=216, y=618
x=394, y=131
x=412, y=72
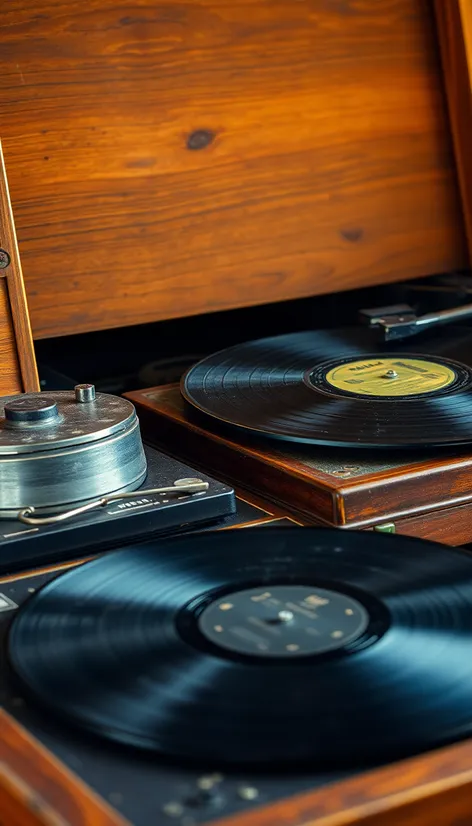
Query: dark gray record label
x=283, y=621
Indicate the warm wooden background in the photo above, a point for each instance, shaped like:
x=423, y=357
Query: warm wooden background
x=167, y=159
x=10, y=376
x=454, y=25
x=17, y=358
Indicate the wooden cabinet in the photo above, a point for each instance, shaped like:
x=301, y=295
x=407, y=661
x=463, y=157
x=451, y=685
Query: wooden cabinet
x=17, y=362
x=454, y=23
x=172, y=159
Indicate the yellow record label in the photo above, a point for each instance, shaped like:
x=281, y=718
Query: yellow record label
x=394, y=376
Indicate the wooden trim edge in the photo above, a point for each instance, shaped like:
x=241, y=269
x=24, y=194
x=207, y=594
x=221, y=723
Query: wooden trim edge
x=38, y=788
x=433, y=788
x=454, y=26
x=17, y=293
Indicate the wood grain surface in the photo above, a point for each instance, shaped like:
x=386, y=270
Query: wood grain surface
x=425, y=496
x=10, y=376
x=449, y=525
x=37, y=790
x=454, y=23
x=436, y=788
x=432, y=790
x=173, y=159
x=17, y=359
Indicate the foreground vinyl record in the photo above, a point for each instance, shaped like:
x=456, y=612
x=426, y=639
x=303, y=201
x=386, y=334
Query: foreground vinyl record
x=259, y=646
x=341, y=387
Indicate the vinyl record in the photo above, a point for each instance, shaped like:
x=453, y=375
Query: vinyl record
x=342, y=388
x=259, y=646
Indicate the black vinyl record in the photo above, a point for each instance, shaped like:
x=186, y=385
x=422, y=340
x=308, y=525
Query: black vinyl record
x=342, y=388
x=259, y=646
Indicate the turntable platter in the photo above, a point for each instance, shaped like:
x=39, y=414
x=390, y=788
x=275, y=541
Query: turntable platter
x=272, y=646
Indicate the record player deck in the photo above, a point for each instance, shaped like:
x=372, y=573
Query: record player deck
x=245, y=663
x=141, y=514
x=190, y=679
x=337, y=427
x=427, y=494
x=341, y=388
x=74, y=475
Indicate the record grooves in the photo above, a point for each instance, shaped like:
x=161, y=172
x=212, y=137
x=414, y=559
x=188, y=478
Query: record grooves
x=341, y=388
x=369, y=642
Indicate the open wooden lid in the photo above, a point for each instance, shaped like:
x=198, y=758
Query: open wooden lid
x=18, y=372
x=454, y=22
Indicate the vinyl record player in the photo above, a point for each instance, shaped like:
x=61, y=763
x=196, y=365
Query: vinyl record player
x=239, y=676
x=75, y=474
x=258, y=415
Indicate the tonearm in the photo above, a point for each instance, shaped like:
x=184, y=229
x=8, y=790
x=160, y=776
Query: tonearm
x=399, y=321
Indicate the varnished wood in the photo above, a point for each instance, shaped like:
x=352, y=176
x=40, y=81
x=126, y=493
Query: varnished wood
x=39, y=789
x=435, y=789
x=10, y=376
x=421, y=495
x=450, y=525
x=16, y=799
x=169, y=160
x=454, y=22
x=17, y=360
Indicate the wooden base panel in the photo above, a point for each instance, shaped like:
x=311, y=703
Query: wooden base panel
x=37, y=789
x=423, y=495
x=434, y=789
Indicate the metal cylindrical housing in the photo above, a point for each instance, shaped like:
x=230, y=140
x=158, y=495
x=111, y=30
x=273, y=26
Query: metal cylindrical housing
x=89, y=450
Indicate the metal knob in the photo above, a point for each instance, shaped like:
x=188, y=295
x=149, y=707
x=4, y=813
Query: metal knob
x=30, y=409
x=84, y=393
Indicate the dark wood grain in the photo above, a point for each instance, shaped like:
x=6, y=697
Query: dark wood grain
x=435, y=789
x=10, y=375
x=17, y=360
x=454, y=22
x=37, y=789
x=173, y=159
x=451, y=525
x=422, y=495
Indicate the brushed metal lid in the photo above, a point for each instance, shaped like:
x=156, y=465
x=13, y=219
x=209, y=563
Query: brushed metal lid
x=35, y=422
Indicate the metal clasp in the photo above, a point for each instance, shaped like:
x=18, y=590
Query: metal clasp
x=190, y=486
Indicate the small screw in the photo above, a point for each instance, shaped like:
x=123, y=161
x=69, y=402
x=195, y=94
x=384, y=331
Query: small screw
x=248, y=793
x=4, y=259
x=206, y=783
x=173, y=809
x=285, y=616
